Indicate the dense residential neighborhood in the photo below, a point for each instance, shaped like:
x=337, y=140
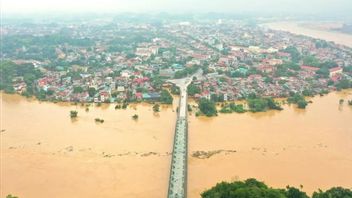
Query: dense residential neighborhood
x=114, y=60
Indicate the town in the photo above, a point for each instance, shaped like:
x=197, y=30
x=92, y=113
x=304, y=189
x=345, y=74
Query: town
x=117, y=60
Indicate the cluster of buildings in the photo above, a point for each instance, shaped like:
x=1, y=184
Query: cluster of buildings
x=114, y=61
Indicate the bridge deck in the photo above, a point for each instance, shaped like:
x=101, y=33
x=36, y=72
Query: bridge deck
x=178, y=172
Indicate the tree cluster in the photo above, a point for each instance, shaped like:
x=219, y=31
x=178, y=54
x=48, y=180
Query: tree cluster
x=251, y=188
x=207, y=107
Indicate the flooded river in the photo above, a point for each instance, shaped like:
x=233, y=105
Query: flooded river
x=46, y=154
x=296, y=28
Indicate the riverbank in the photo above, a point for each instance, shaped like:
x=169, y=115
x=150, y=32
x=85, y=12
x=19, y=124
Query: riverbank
x=297, y=28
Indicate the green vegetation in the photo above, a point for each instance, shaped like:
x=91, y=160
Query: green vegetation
x=73, y=114
x=341, y=101
x=187, y=71
x=207, y=107
x=217, y=98
x=251, y=188
x=78, y=89
x=307, y=92
x=321, y=44
x=189, y=108
x=92, y=91
x=11, y=196
x=10, y=70
x=193, y=90
x=350, y=102
x=299, y=100
x=287, y=69
x=99, y=120
x=262, y=104
x=124, y=105
x=347, y=69
x=165, y=97
x=175, y=90
x=232, y=107
x=156, y=108
x=335, y=192
x=293, y=51
x=135, y=117
x=343, y=84
x=311, y=61
x=323, y=66
x=157, y=82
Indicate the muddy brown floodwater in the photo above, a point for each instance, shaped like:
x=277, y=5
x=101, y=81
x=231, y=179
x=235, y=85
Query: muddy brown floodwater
x=311, y=147
x=46, y=154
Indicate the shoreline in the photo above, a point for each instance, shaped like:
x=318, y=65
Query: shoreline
x=193, y=102
x=294, y=27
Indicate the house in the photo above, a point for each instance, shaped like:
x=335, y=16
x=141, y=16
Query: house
x=272, y=61
x=266, y=68
x=104, y=96
x=335, y=71
x=143, y=52
x=309, y=68
x=139, y=96
x=151, y=96
x=120, y=89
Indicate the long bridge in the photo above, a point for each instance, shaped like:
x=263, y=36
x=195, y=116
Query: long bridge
x=178, y=171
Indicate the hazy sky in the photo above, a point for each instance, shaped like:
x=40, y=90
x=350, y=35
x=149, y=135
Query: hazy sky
x=232, y=6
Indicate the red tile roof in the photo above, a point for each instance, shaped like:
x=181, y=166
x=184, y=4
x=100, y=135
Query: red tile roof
x=335, y=69
x=310, y=68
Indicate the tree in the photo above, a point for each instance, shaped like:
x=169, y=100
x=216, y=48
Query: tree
x=292, y=192
x=9, y=70
x=273, y=105
x=293, y=51
x=175, y=90
x=302, y=104
x=344, y=84
x=299, y=100
x=73, y=114
x=307, y=92
x=165, y=97
x=99, y=120
x=257, y=104
x=249, y=188
x=156, y=108
x=92, y=91
x=321, y=44
x=311, y=61
x=323, y=72
x=335, y=192
x=11, y=196
x=207, y=107
x=77, y=89
x=135, y=117
x=193, y=90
